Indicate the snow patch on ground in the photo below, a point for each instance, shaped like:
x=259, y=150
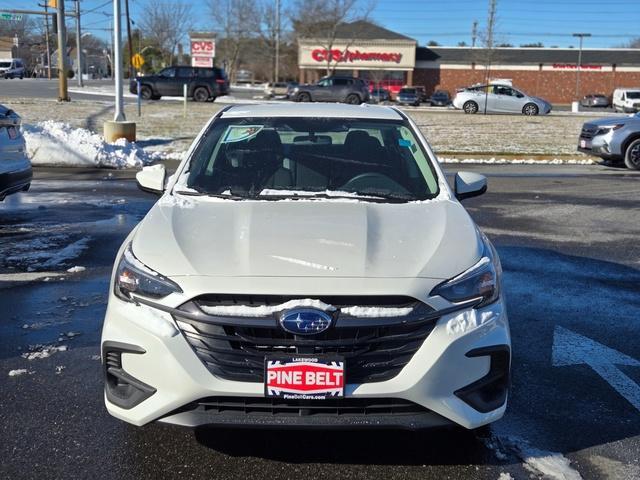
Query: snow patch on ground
x=505, y=476
x=59, y=144
x=69, y=252
x=43, y=351
x=18, y=372
x=28, y=276
x=539, y=462
x=76, y=269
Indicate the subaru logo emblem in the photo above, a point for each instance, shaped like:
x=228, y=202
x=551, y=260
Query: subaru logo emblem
x=305, y=321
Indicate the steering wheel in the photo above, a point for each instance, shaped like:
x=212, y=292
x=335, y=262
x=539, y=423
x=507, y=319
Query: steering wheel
x=370, y=180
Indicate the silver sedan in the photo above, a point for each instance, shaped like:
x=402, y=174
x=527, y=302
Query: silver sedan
x=498, y=98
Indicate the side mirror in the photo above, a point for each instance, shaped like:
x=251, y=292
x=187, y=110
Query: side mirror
x=469, y=184
x=151, y=179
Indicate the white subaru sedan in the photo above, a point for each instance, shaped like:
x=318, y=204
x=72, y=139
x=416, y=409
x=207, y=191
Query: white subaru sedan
x=307, y=266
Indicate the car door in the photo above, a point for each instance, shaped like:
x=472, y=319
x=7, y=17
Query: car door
x=341, y=87
x=505, y=100
x=166, y=83
x=322, y=92
x=184, y=76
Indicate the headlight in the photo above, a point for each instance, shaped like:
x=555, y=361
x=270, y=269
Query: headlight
x=133, y=276
x=481, y=282
x=606, y=128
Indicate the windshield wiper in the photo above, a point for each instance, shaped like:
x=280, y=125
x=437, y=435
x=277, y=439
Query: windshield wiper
x=200, y=193
x=293, y=195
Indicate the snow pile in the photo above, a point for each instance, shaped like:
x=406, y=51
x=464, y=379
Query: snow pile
x=43, y=351
x=377, y=312
x=18, y=372
x=59, y=144
x=518, y=161
x=76, y=269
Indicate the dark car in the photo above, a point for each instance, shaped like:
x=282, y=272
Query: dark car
x=440, y=98
x=408, y=96
x=203, y=83
x=333, y=89
x=595, y=100
x=379, y=95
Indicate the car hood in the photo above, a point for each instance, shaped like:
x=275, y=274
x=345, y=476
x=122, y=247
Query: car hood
x=301, y=238
x=613, y=120
x=540, y=100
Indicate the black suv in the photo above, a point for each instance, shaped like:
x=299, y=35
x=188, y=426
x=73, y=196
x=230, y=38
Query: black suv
x=333, y=89
x=203, y=83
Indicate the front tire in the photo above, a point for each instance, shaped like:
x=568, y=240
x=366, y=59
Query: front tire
x=303, y=97
x=146, y=93
x=632, y=155
x=470, y=107
x=353, y=99
x=530, y=109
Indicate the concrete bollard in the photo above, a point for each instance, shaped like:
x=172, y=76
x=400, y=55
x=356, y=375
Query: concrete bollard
x=575, y=107
x=115, y=130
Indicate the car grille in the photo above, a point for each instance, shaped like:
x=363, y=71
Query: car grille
x=588, y=131
x=375, y=349
x=328, y=407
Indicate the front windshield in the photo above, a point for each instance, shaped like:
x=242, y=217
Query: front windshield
x=269, y=158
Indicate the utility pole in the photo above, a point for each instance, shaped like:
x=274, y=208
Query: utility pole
x=277, y=72
x=117, y=61
x=78, y=47
x=63, y=94
x=474, y=33
x=46, y=36
x=126, y=8
x=491, y=21
x=579, y=66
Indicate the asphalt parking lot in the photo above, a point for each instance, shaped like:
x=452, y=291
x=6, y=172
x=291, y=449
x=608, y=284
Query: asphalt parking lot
x=568, y=239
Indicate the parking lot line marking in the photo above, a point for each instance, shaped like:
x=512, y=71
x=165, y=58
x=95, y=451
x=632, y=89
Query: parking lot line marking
x=570, y=348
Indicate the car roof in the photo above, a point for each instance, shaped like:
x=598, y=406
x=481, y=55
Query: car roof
x=335, y=110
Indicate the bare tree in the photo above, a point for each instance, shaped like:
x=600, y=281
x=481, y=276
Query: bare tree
x=321, y=21
x=240, y=22
x=165, y=25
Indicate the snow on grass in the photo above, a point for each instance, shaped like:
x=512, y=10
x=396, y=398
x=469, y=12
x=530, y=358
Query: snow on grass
x=59, y=144
x=519, y=161
x=505, y=476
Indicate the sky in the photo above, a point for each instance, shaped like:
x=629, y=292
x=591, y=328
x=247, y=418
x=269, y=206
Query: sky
x=611, y=22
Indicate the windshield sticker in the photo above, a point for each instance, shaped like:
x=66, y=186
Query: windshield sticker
x=404, y=142
x=238, y=133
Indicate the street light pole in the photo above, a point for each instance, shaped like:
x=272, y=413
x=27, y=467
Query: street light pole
x=117, y=61
x=63, y=95
x=277, y=72
x=581, y=36
x=78, y=50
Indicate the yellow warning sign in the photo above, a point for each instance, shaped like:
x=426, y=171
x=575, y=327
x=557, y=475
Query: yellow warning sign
x=137, y=61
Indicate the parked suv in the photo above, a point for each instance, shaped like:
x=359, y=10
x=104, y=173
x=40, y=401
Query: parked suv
x=333, y=89
x=307, y=266
x=614, y=139
x=12, y=68
x=203, y=83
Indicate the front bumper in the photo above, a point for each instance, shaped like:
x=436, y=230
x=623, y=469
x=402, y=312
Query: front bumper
x=179, y=387
x=599, y=146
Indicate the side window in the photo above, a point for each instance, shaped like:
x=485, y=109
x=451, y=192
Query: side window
x=185, y=72
x=340, y=82
x=168, y=73
x=204, y=73
x=324, y=83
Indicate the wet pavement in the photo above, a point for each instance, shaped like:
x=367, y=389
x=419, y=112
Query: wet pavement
x=568, y=240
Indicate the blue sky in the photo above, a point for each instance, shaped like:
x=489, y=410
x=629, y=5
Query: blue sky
x=611, y=22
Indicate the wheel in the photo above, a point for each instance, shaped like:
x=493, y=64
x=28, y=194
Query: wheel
x=303, y=97
x=146, y=93
x=21, y=76
x=470, y=107
x=632, y=155
x=200, y=94
x=211, y=99
x=353, y=99
x=530, y=109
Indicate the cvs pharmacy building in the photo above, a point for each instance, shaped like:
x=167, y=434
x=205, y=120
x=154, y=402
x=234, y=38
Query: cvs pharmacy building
x=363, y=50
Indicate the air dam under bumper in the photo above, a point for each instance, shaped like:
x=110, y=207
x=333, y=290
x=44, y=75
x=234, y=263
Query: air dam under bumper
x=12, y=182
x=435, y=388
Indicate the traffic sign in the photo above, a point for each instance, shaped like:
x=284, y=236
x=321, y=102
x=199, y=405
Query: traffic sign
x=137, y=61
x=10, y=16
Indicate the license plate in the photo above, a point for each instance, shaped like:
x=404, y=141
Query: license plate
x=302, y=377
x=13, y=133
x=585, y=144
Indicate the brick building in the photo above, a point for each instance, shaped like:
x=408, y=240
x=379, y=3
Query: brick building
x=391, y=60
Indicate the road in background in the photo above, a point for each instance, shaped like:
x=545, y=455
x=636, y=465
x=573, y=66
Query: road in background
x=568, y=240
